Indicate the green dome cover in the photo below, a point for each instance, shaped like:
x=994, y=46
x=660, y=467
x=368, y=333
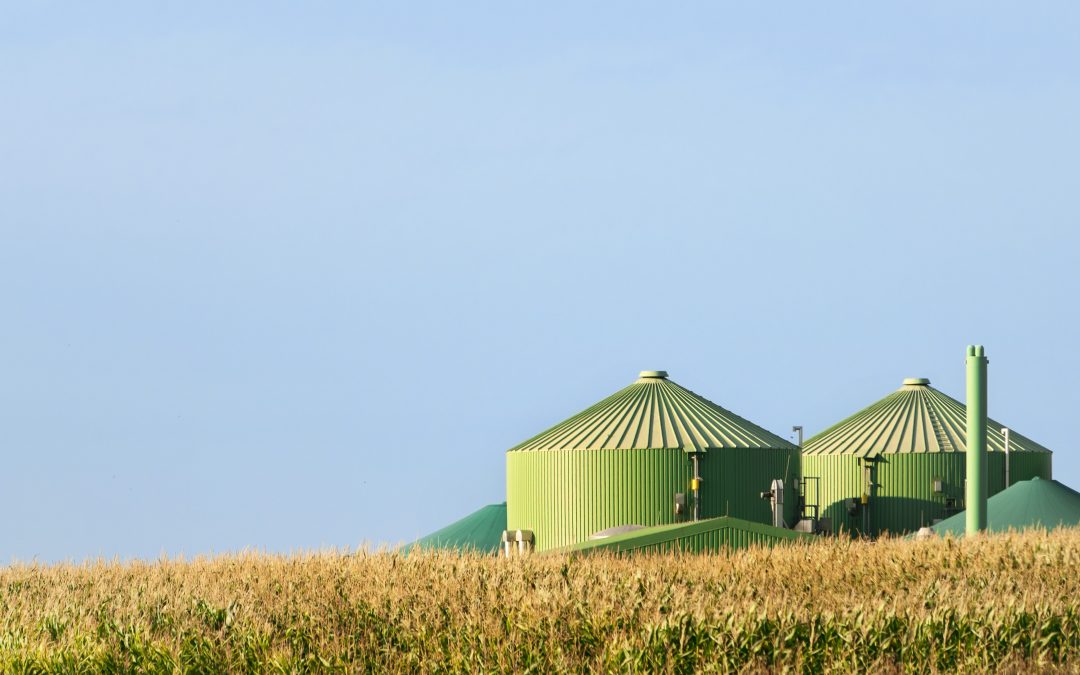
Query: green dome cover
x=915, y=418
x=654, y=413
x=1029, y=503
x=480, y=531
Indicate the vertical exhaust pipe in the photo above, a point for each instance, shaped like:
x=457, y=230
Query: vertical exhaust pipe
x=695, y=485
x=977, y=471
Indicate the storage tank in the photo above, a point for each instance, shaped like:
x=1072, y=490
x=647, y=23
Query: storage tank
x=632, y=458
x=900, y=463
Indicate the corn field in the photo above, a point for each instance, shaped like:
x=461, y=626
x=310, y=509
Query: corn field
x=1008, y=603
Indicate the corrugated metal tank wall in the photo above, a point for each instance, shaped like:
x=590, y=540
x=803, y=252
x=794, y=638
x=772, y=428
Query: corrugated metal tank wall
x=734, y=479
x=904, y=499
x=565, y=496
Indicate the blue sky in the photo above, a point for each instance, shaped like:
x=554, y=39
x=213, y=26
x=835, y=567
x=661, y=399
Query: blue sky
x=286, y=276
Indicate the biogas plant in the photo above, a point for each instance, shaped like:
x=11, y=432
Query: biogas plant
x=657, y=467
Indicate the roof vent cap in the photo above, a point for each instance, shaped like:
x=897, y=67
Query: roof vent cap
x=916, y=381
x=656, y=374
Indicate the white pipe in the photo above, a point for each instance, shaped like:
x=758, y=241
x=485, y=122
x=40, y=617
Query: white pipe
x=1005, y=433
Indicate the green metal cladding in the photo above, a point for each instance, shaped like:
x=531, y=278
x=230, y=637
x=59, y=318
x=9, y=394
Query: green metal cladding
x=713, y=534
x=907, y=455
x=622, y=461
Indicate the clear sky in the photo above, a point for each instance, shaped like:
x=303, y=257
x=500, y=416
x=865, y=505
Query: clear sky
x=292, y=275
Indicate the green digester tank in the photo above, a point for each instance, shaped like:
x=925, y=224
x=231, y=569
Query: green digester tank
x=901, y=463
x=627, y=459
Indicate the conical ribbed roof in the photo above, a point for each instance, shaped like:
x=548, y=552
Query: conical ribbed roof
x=652, y=413
x=914, y=418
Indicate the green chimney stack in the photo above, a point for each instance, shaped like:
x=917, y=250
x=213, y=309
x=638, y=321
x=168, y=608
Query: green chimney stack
x=977, y=475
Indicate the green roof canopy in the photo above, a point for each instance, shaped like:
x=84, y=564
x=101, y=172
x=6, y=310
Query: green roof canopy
x=654, y=413
x=1028, y=503
x=711, y=534
x=914, y=418
x=480, y=531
